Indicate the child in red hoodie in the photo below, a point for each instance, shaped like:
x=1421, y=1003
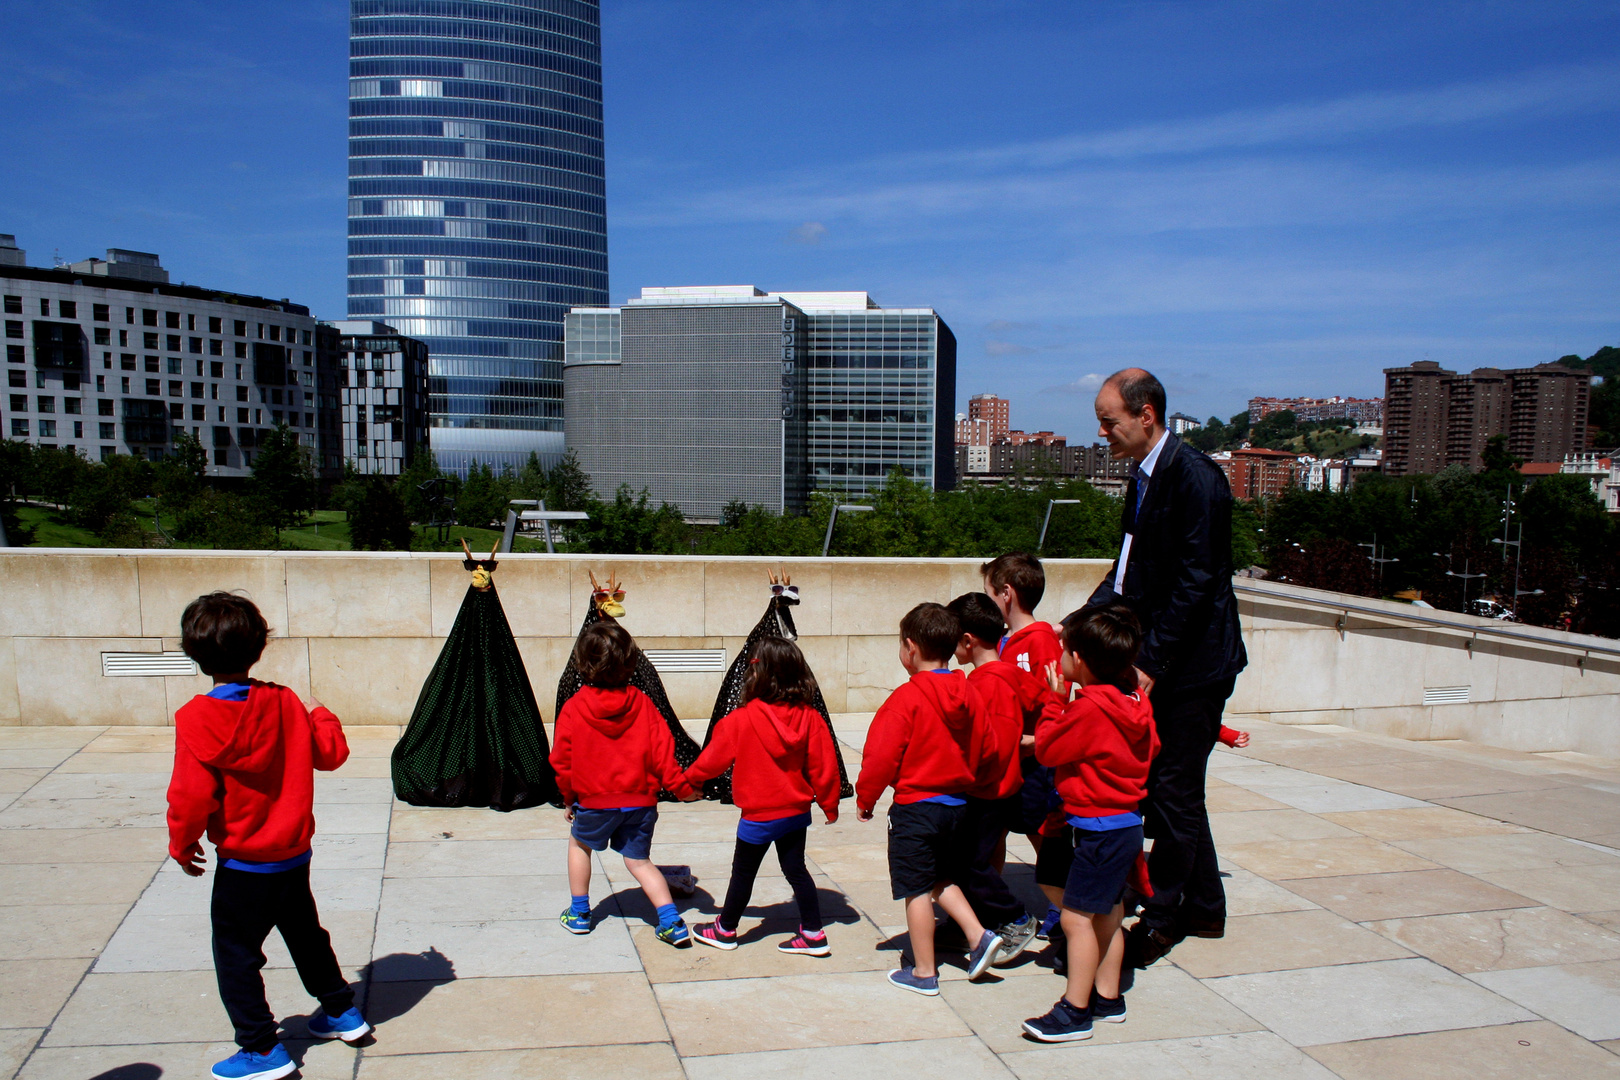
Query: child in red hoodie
x=784, y=759
x=929, y=742
x=995, y=806
x=244, y=755
x=1100, y=746
x=612, y=753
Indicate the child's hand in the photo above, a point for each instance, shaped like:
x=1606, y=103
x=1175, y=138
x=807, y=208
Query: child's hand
x=862, y=814
x=568, y=814
x=1054, y=678
x=1026, y=742
x=832, y=815
x=194, y=864
x=693, y=797
x=1242, y=739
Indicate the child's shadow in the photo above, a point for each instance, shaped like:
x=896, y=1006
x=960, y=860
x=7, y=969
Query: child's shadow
x=140, y=1070
x=395, y=984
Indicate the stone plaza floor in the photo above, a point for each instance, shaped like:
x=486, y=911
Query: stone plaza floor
x=1398, y=910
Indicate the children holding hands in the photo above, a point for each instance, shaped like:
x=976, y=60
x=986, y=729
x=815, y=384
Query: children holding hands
x=782, y=759
x=613, y=753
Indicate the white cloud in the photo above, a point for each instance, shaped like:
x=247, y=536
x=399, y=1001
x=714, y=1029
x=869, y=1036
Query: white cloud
x=810, y=232
x=1005, y=348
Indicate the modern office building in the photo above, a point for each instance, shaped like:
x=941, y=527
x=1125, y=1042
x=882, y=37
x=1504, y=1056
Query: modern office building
x=707, y=394
x=106, y=357
x=476, y=208
x=384, y=386
x=1436, y=417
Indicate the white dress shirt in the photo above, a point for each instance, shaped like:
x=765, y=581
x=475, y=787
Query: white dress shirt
x=1143, y=473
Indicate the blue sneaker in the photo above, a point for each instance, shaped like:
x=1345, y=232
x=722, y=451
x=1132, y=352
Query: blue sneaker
x=1064, y=1023
x=984, y=952
x=1108, y=1010
x=575, y=923
x=349, y=1027
x=908, y=979
x=246, y=1065
x=676, y=934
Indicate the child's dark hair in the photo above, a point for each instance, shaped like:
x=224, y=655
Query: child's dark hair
x=606, y=655
x=979, y=616
x=1106, y=637
x=1020, y=570
x=223, y=632
x=778, y=674
x=933, y=629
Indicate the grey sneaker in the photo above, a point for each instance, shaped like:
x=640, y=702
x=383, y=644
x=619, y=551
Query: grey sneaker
x=1015, y=938
x=908, y=979
x=984, y=952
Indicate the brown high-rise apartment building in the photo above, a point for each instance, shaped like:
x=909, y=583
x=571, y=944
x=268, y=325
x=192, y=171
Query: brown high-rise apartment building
x=995, y=411
x=1434, y=417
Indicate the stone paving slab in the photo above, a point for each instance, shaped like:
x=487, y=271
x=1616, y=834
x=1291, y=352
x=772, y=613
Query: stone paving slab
x=1388, y=917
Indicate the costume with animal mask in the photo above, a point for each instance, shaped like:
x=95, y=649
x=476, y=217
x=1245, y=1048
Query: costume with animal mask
x=476, y=738
x=776, y=622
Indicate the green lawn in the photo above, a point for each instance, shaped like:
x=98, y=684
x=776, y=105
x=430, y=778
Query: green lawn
x=51, y=530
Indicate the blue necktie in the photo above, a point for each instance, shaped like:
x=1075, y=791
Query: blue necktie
x=1141, y=489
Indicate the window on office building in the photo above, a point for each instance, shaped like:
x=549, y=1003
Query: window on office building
x=173, y=365
x=17, y=378
x=154, y=387
x=99, y=312
x=103, y=335
x=15, y=354
x=19, y=428
x=69, y=309
x=73, y=406
x=216, y=347
x=152, y=363
x=126, y=361
x=241, y=353
x=47, y=404
x=47, y=429
x=214, y=323
x=148, y=317
x=19, y=402
x=44, y=306
x=14, y=328
x=108, y=431
x=104, y=407
x=13, y=305
x=172, y=343
x=176, y=388
x=199, y=412
x=171, y=319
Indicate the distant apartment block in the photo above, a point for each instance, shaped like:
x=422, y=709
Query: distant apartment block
x=1435, y=417
x=1360, y=410
x=707, y=394
x=994, y=412
x=106, y=357
x=1181, y=423
x=384, y=379
x=1255, y=473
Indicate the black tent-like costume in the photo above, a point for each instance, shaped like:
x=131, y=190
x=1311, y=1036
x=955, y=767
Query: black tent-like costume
x=608, y=603
x=776, y=622
x=476, y=737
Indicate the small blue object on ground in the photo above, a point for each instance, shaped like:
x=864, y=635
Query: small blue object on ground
x=908, y=979
x=575, y=923
x=246, y=1065
x=984, y=952
x=348, y=1027
x=1064, y=1023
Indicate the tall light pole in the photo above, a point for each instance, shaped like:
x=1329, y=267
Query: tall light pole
x=1465, y=577
x=1049, y=504
x=848, y=508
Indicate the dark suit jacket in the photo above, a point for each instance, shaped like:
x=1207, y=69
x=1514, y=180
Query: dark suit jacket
x=1179, y=577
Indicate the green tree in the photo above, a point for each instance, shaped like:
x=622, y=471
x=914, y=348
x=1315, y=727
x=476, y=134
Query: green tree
x=180, y=477
x=423, y=469
x=225, y=521
x=283, y=479
x=377, y=517
x=483, y=497
x=567, y=486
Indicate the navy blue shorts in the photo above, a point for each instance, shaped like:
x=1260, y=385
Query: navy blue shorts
x=629, y=831
x=927, y=847
x=1102, y=865
x=1038, y=797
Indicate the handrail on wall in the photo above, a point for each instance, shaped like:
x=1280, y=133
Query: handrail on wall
x=1487, y=627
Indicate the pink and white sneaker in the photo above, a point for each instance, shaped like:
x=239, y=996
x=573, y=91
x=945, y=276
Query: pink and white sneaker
x=806, y=943
x=714, y=936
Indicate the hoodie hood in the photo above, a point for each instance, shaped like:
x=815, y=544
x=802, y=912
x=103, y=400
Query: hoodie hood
x=1129, y=713
x=239, y=736
x=610, y=711
x=948, y=691
x=783, y=730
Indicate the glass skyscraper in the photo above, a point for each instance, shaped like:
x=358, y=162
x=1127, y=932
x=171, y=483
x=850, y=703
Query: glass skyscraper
x=476, y=204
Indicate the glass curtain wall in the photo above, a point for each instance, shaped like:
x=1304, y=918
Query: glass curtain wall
x=476, y=204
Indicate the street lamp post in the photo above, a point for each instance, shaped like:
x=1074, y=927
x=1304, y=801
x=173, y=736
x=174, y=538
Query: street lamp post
x=1049, y=504
x=1465, y=577
x=848, y=508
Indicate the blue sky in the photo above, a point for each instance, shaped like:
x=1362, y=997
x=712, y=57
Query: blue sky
x=1244, y=197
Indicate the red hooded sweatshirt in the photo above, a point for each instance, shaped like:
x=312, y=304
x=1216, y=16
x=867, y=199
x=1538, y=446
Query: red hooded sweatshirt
x=613, y=750
x=1100, y=746
x=784, y=759
x=996, y=683
x=244, y=772
x=926, y=740
x=1030, y=649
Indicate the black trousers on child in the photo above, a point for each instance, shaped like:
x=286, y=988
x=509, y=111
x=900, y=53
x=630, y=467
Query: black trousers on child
x=1182, y=866
x=985, y=824
x=245, y=908
x=745, y=863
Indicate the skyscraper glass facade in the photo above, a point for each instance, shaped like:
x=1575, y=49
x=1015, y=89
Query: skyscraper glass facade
x=476, y=204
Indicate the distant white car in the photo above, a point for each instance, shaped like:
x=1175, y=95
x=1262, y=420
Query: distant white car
x=1490, y=609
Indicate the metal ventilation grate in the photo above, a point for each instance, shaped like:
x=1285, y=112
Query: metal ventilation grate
x=669, y=661
x=1445, y=695
x=122, y=664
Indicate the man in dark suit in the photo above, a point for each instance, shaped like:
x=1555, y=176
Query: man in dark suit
x=1175, y=571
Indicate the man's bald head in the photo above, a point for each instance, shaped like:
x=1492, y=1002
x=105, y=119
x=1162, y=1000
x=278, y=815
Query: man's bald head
x=1138, y=389
x=1130, y=413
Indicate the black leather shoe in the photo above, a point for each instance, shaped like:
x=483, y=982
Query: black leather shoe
x=1204, y=928
x=1146, y=946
